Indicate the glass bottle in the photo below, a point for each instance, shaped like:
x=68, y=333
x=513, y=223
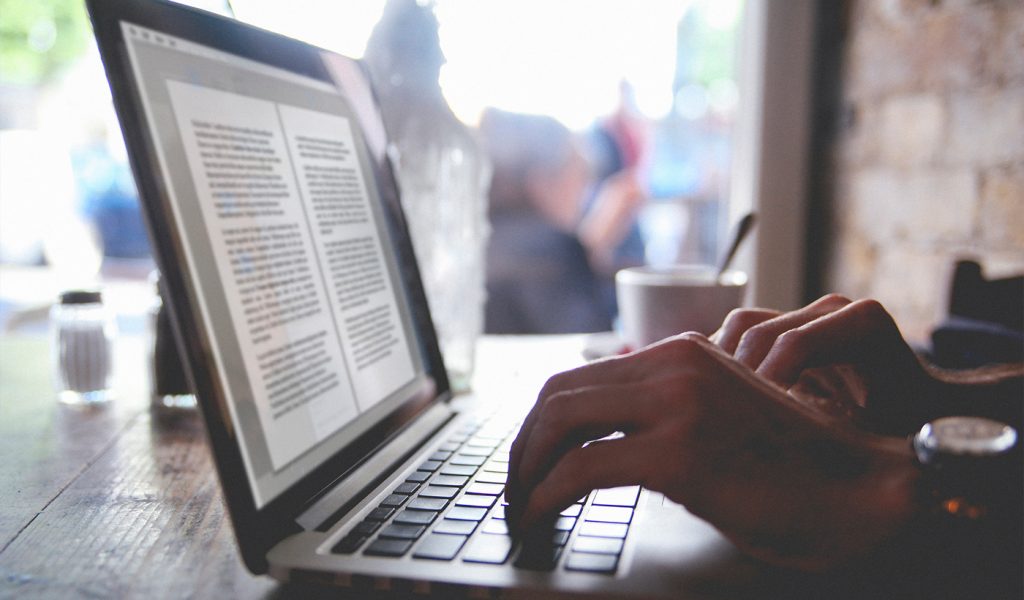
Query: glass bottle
x=170, y=390
x=82, y=334
x=443, y=174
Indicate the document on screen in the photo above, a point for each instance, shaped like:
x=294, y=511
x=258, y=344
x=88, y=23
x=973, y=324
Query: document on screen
x=294, y=240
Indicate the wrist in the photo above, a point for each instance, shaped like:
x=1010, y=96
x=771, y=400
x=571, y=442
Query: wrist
x=888, y=496
x=872, y=509
x=966, y=530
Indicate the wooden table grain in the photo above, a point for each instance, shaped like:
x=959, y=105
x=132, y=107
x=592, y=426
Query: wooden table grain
x=116, y=501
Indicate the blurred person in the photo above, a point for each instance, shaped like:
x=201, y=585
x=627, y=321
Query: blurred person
x=546, y=260
x=620, y=142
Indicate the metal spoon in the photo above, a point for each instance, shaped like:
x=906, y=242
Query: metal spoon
x=739, y=234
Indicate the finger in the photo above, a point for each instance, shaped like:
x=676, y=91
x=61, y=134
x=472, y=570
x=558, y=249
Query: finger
x=569, y=419
x=608, y=370
x=861, y=333
x=676, y=361
x=650, y=363
x=737, y=323
x=604, y=464
x=757, y=341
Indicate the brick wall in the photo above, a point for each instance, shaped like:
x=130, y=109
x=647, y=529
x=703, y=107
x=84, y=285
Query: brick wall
x=928, y=162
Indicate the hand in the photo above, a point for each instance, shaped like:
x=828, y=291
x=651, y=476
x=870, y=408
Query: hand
x=709, y=433
x=841, y=344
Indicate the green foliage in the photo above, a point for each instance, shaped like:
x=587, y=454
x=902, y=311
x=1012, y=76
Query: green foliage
x=707, y=45
x=39, y=37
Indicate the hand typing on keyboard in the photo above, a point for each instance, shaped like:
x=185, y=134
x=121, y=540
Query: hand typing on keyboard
x=715, y=427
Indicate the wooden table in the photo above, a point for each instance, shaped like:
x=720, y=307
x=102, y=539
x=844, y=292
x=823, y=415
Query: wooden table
x=118, y=502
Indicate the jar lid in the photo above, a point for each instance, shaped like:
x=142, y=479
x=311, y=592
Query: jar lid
x=81, y=297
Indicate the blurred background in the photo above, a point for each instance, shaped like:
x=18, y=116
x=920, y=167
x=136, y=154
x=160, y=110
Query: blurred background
x=665, y=73
x=897, y=122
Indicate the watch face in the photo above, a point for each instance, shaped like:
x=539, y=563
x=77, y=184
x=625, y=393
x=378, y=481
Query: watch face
x=966, y=436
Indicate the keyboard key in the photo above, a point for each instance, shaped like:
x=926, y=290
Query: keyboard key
x=366, y=528
x=476, y=451
x=496, y=526
x=572, y=511
x=438, y=546
x=450, y=446
x=430, y=465
x=464, y=470
x=564, y=523
x=472, y=461
x=620, y=496
x=438, y=491
x=486, y=489
x=491, y=549
x=499, y=512
x=472, y=423
x=483, y=442
x=597, y=545
x=455, y=527
x=474, y=500
x=610, y=514
x=418, y=476
x=440, y=456
x=466, y=513
x=594, y=563
x=428, y=504
x=380, y=513
x=450, y=480
x=394, y=500
x=500, y=457
x=381, y=547
x=496, y=467
x=407, y=488
x=559, y=538
x=402, y=532
x=491, y=477
x=349, y=544
x=611, y=530
x=415, y=517
x=538, y=557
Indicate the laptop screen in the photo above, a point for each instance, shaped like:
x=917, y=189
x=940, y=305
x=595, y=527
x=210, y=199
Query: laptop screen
x=270, y=179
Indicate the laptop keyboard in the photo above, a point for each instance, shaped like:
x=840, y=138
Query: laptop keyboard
x=452, y=508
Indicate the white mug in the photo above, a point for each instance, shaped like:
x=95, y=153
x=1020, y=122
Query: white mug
x=658, y=302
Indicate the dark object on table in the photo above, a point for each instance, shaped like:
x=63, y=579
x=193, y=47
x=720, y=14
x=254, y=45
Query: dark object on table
x=169, y=377
x=985, y=323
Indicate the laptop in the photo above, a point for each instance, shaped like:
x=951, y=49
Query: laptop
x=343, y=456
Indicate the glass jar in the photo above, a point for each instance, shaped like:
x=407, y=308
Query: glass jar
x=82, y=334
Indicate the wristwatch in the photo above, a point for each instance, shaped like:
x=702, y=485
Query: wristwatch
x=970, y=466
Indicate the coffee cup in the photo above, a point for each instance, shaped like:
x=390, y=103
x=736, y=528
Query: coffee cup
x=658, y=302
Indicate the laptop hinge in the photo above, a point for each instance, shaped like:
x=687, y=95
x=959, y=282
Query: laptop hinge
x=354, y=485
